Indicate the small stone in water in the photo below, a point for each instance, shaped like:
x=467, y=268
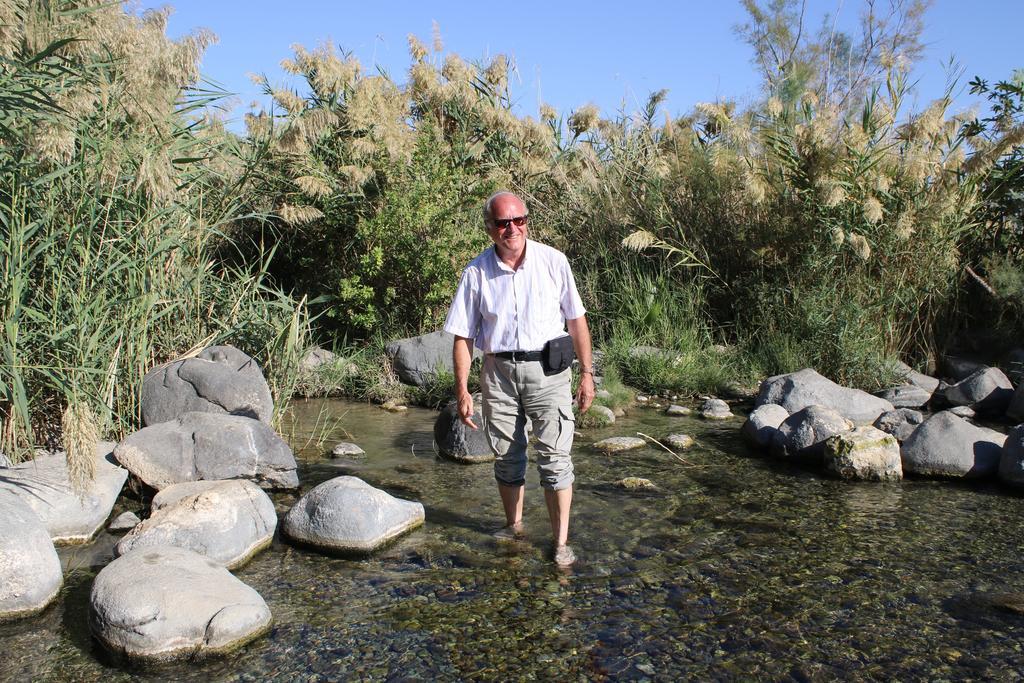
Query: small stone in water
x=679, y=441
x=123, y=522
x=345, y=448
x=394, y=407
x=677, y=410
x=619, y=443
x=634, y=483
x=640, y=398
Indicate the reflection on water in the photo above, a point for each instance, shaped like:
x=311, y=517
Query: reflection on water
x=736, y=566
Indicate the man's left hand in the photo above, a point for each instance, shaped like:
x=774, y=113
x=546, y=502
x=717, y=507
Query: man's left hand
x=585, y=393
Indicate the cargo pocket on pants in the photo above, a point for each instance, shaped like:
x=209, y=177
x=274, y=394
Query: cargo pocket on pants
x=566, y=429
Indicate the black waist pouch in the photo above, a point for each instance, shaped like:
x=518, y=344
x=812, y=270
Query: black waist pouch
x=558, y=355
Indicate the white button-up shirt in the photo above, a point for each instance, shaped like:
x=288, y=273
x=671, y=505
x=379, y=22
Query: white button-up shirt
x=515, y=310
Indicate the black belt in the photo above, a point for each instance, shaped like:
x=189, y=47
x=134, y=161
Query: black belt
x=520, y=355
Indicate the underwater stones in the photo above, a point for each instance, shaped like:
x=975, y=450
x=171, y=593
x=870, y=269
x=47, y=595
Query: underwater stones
x=949, y=446
x=986, y=390
x=802, y=435
x=901, y=422
x=678, y=441
x=345, y=448
x=30, y=571
x=346, y=515
x=220, y=380
x=762, y=423
x=43, y=484
x=163, y=603
x=208, y=446
x=616, y=444
x=716, y=409
x=459, y=442
x=678, y=411
x=1011, y=460
x=864, y=454
x=226, y=521
x=798, y=390
x=635, y=483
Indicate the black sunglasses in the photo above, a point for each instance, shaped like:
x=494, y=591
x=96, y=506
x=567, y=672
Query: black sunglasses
x=502, y=223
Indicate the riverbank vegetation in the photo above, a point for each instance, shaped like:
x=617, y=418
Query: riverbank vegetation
x=828, y=224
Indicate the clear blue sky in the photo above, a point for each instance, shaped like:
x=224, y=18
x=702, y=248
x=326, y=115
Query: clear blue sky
x=569, y=53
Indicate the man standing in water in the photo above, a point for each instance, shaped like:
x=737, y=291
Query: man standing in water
x=512, y=299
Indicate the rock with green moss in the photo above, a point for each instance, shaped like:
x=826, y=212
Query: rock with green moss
x=864, y=454
x=678, y=441
x=596, y=416
x=678, y=411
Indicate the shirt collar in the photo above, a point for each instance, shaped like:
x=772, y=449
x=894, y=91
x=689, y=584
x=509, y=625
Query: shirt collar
x=503, y=266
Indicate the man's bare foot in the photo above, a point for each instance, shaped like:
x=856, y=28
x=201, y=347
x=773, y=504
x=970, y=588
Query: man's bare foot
x=512, y=532
x=564, y=556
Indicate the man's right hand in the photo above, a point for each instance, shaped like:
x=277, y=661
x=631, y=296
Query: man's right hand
x=466, y=409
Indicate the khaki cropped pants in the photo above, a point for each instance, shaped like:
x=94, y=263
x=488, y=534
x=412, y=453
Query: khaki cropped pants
x=514, y=391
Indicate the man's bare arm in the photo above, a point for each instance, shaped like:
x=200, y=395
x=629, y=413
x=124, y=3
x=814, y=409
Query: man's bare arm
x=580, y=333
x=462, y=357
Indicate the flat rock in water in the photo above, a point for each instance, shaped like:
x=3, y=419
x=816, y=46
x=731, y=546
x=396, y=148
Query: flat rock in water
x=678, y=441
x=760, y=427
x=906, y=396
x=166, y=603
x=220, y=380
x=458, y=442
x=126, y=521
x=901, y=422
x=864, y=454
x=948, y=446
x=226, y=521
x=798, y=390
x=30, y=571
x=43, y=484
x=986, y=390
x=348, y=516
x=207, y=446
x=635, y=483
x=716, y=409
x=615, y=444
x=1011, y=460
x=802, y=435
x=345, y=448
x=678, y=411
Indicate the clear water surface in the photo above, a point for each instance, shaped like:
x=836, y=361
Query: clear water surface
x=736, y=566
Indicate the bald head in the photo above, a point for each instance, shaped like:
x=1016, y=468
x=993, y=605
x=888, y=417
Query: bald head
x=503, y=198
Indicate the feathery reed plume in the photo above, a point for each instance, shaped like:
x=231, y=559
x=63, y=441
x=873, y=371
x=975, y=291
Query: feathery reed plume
x=298, y=215
x=773, y=106
x=435, y=30
x=313, y=186
x=583, y=119
x=860, y=246
x=455, y=70
x=417, y=49
x=81, y=436
x=872, y=210
x=496, y=73
x=548, y=113
x=837, y=236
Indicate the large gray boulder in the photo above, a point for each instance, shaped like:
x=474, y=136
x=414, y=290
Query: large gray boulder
x=716, y=409
x=802, y=435
x=43, y=485
x=1015, y=411
x=949, y=446
x=901, y=422
x=864, y=454
x=906, y=396
x=761, y=425
x=345, y=515
x=208, y=446
x=417, y=359
x=30, y=572
x=798, y=390
x=226, y=521
x=1011, y=460
x=457, y=441
x=986, y=390
x=164, y=603
x=911, y=376
x=220, y=380
x=958, y=368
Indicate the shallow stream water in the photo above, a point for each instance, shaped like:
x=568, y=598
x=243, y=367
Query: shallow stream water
x=736, y=566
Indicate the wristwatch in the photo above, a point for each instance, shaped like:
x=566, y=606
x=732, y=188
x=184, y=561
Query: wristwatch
x=586, y=371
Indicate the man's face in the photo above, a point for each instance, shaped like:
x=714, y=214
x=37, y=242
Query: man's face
x=508, y=237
